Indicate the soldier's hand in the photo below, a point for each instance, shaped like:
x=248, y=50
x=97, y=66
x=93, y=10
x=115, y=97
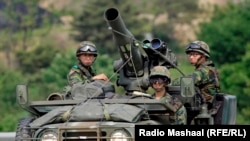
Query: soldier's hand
x=101, y=77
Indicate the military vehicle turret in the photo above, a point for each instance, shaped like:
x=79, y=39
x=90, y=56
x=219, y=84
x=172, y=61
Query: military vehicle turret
x=97, y=116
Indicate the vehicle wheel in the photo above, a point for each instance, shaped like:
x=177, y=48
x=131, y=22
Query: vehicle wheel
x=23, y=132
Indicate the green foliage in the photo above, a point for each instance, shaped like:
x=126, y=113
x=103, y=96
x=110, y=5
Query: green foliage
x=228, y=36
x=25, y=16
x=228, y=33
x=9, y=120
x=236, y=80
x=8, y=80
x=39, y=57
x=54, y=78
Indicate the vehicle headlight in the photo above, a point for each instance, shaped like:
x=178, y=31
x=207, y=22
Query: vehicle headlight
x=120, y=135
x=49, y=136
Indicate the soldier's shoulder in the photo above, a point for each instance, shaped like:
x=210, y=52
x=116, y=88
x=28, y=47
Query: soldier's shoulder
x=74, y=69
x=203, y=69
x=167, y=96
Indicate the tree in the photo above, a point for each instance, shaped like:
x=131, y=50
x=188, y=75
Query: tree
x=8, y=81
x=227, y=34
x=21, y=19
x=39, y=57
x=236, y=80
x=54, y=78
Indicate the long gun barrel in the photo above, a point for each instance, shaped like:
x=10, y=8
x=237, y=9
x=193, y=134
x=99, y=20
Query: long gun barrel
x=133, y=74
x=125, y=41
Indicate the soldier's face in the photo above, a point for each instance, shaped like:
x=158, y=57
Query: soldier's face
x=87, y=59
x=193, y=57
x=158, y=84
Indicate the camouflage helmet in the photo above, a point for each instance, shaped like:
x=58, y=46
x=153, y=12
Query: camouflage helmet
x=198, y=46
x=160, y=71
x=86, y=47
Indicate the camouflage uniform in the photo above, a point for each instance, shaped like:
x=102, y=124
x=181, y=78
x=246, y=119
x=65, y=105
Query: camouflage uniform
x=80, y=73
x=205, y=76
x=180, y=116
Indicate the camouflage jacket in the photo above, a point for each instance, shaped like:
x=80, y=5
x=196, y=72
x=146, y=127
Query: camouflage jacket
x=168, y=99
x=180, y=116
x=80, y=73
x=206, y=78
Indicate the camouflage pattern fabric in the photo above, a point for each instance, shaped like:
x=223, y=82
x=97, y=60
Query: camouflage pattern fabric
x=180, y=116
x=206, y=78
x=79, y=73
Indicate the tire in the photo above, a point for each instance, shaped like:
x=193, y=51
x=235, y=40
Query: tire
x=23, y=132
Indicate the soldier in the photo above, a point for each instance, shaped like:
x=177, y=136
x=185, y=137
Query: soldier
x=205, y=75
x=86, y=54
x=85, y=77
x=159, y=78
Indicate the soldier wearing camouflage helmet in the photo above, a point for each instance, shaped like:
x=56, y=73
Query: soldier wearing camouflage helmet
x=86, y=54
x=159, y=78
x=205, y=75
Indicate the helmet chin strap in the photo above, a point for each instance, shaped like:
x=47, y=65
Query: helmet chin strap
x=94, y=60
x=198, y=62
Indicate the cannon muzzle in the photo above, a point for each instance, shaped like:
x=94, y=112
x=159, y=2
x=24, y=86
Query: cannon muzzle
x=121, y=34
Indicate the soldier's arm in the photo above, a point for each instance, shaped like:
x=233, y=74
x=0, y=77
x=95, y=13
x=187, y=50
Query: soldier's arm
x=100, y=77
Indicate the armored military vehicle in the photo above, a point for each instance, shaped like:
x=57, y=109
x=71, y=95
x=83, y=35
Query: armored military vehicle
x=95, y=112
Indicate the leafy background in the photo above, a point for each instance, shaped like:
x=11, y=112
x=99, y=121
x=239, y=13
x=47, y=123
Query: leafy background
x=39, y=38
